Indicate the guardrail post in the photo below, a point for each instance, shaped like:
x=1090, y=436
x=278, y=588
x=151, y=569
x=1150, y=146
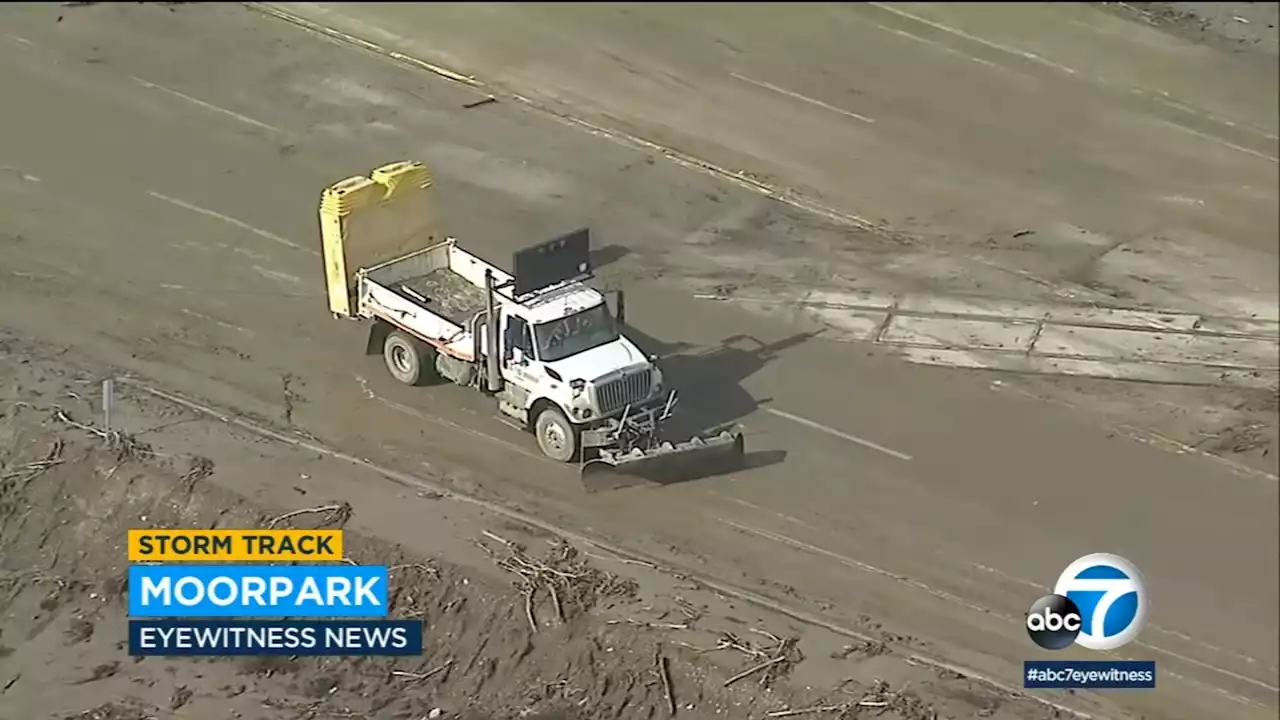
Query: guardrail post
x=108, y=399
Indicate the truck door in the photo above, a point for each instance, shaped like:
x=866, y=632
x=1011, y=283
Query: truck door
x=516, y=335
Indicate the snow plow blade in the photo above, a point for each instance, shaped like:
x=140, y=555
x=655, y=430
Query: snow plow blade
x=667, y=462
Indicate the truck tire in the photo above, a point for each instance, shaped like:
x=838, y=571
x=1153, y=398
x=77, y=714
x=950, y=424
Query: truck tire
x=408, y=360
x=557, y=438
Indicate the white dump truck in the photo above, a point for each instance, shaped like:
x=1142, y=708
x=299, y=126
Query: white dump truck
x=560, y=366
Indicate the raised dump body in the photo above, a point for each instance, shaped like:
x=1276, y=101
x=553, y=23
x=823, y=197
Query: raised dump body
x=385, y=261
x=360, y=228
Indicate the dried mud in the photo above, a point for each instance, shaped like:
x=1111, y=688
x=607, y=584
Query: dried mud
x=561, y=640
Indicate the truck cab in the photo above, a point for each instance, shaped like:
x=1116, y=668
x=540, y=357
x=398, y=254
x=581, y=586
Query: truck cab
x=566, y=352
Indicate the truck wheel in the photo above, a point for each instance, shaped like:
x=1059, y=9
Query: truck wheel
x=407, y=359
x=557, y=438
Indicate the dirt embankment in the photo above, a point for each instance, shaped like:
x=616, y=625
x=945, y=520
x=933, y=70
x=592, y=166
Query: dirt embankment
x=67, y=501
x=564, y=639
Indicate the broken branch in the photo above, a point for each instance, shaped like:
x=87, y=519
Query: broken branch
x=60, y=414
x=664, y=672
x=497, y=539
x=571, y=583
x=126, y=446
x=655, y=626
x=753, y=670
x=419, y=677
x=334, y=511
x=808, y=711
x=528, y=610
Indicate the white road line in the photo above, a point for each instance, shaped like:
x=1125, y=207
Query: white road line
x=934, y=43
x=1164, y=97
x=1207, y=666
x=19, y=173
x=277, y=275
x=1070, y=71
x=207, y=106
x=803, y=98
x=956, y=31
x=216, y=321
x=314, y=27
x=1218, y=140
x=842, y=435
x=858, y=564
x=1210, y=647
x=231, y=221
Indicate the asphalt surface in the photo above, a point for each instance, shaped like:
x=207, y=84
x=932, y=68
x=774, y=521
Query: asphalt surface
x=1144, y=165
x=160, y=209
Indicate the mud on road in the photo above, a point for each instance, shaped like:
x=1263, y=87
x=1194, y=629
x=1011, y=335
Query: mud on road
x=601, y=647
x=1234, y=26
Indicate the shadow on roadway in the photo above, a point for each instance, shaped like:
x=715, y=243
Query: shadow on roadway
x=709, y=381
x=711, y=399
x=604, y=480
x=608, y=254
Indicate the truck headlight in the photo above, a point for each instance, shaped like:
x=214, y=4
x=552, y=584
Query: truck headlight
x=580, y=404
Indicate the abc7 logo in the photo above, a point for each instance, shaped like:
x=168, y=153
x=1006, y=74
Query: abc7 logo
x=1099, y=602
x=1054, y=622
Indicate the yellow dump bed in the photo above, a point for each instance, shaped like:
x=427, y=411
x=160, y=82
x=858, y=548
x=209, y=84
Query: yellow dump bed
x=367, y=221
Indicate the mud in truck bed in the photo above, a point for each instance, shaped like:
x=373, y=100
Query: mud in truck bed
x=446, y=293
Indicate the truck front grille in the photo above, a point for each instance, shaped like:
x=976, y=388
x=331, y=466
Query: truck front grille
x=616, y=394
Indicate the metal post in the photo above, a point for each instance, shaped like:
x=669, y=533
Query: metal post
x=671, y=402
x=492, y=375
x=108, y=399
x=478, y=327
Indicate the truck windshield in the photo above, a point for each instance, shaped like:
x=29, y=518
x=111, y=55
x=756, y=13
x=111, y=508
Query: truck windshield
x=575, y=333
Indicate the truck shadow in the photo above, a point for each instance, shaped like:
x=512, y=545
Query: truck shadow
x=709, y=381
x=608, y=254
x=606, y=480
x=711, y=397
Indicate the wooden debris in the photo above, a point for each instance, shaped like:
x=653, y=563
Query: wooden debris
x=879, y=698
x=664, y=673
x=27, y=472
x=419, y=677
x=336, y=514
x=565, y=578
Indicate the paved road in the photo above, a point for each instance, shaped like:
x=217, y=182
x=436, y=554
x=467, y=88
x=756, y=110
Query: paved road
x=1145, y=165
x=162, y=214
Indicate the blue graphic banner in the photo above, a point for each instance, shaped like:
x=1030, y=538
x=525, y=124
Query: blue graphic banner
x=1089, y=674
x=261, y=591
x=274, y=637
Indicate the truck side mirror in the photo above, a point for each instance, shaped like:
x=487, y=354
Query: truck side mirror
x=620, y=307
